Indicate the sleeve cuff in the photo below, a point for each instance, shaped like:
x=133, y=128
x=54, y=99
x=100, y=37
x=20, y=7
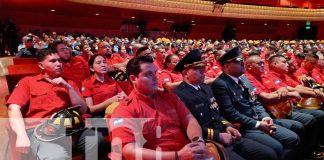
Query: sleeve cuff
x=257, y=124
x=211, y=134
x=266, y=118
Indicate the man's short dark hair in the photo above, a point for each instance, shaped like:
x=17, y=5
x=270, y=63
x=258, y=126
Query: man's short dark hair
x=300, y=55
x=254, y=52
x=275, y=58
x=55, y=43
x=134, y=65
x=311, y=55
x=42, y=53
x=141, y=49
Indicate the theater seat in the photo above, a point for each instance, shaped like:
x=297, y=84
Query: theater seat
x=17, y=61
x=17, y=72
x=23, y=69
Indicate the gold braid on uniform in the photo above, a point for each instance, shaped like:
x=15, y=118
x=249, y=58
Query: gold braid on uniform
x=211, y=134
x=225, y=122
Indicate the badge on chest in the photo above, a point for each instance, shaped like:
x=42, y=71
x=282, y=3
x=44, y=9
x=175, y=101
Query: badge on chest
x=213, y=103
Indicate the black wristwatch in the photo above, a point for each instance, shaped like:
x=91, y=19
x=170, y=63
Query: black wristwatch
x=197, y=139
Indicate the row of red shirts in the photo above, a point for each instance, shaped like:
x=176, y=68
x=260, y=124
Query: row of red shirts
x=316, y=74
x=46, y=98
x=270, y=81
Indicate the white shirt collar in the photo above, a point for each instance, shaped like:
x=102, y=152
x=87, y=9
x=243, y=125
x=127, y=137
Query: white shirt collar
x=195, y=87
x=234, y=78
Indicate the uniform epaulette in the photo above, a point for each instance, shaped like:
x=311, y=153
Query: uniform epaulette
x=224, y=122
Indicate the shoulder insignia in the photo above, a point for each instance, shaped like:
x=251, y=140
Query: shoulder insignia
x=225, y=122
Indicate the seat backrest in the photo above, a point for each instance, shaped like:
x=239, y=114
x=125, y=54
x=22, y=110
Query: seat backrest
x=17, y=61
x=17, y=72
x=23, y=69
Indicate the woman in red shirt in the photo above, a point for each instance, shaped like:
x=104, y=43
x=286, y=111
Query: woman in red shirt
x=168, y=79
x=99, y=90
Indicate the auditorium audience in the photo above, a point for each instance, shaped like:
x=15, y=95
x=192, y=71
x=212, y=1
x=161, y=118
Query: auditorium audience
x=293, y=67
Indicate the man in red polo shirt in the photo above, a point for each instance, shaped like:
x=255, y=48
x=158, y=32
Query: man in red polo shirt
x=306, y=70
x=115, y=61
x=169, y=127
x=273, y=95
x=74, y=68
x=159, y=57
x=277, y=77
x=41, y=96
x=318, y=72
x=255, y=73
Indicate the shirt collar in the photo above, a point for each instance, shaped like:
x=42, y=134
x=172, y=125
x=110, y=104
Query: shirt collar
x=236, y=80
x=93, y=79
x=276, y=74
x=142, y=97
x=195, y=87
x=39, y=77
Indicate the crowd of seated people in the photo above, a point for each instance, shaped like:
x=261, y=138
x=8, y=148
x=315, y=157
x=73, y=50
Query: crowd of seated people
x=264, y=72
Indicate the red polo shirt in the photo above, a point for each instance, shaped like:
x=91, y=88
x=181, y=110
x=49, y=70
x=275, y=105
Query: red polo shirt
x=115, y=59
x=158, y=65
x=86, y=57
x=44, y=98
x=213, y=71
x=167, y=114
x=257, y=83
x=76, y=70
x=318, y=75
x=266, y=66
x=273, y=81
x=302, y=71
x=99, y=91
x=166, y=76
